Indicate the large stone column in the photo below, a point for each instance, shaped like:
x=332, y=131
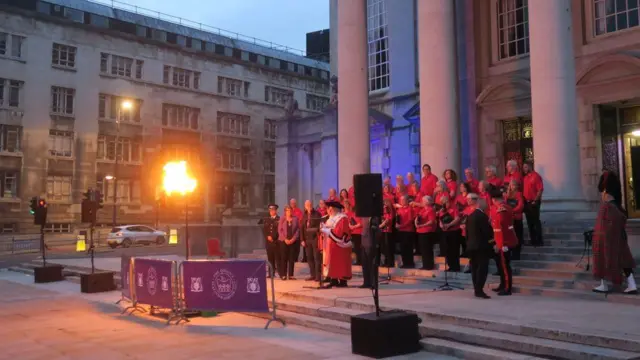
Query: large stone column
x=554, y=108
x=439, y=126
x=353, y=92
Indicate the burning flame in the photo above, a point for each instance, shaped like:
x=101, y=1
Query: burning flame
x=177, y=179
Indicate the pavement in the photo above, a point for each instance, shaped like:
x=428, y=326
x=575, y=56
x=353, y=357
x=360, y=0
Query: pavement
x=55, y=321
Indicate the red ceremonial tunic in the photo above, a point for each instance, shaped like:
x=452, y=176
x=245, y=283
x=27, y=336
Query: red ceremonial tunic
x=516, y=202
x=424, y=215
x=336, y=257
x=532, y=185
x=487, y=199
x=406, y=216
x=502, y=224
x=428, y=184
x=473, y=184
x=517, y=176
x=611, y=253
x=353, y=221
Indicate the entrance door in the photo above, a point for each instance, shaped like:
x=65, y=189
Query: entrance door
x=517, y=137
x=632, y=174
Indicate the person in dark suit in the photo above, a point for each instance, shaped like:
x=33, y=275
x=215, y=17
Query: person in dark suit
x=310, y=230
x=479, y=234
x=270, y=232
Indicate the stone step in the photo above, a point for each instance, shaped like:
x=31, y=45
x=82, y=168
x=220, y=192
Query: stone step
x=583, y=293
x=554, y=241
x=469, y=352
x=523, y=344
x=549, y=257
x=551, y=265
x=569, y=250
x=317, y=310
x=313, y=322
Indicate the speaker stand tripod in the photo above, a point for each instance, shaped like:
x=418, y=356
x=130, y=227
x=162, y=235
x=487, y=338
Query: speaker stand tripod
x=389, y=280
x=446, y=286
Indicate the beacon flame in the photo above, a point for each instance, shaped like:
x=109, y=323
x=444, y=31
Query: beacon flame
x=177, y=179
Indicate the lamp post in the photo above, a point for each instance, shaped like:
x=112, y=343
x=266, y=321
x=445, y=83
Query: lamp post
x=176, y=179
x=125, y=105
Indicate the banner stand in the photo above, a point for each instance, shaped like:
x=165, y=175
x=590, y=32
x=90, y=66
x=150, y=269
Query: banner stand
x=273, y=300
x=126, y=278
x=178, y=314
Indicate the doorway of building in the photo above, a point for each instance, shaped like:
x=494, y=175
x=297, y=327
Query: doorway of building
x=517, y=135
x=631, y=143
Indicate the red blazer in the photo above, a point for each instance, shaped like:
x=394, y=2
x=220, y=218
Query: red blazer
x=502, y=224
x=354, y=220
x=518, y=204
x=406, y=216
x=424, y=215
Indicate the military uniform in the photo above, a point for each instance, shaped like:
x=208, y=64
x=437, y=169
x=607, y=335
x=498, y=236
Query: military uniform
x=270, y=231
x=505, y=241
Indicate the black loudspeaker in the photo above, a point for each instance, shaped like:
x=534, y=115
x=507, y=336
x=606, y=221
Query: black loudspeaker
x=390, y=334
x=97, y=282
x=47, y=274
x=368, y=194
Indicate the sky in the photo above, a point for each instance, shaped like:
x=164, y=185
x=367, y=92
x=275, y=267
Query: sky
x=284, y=22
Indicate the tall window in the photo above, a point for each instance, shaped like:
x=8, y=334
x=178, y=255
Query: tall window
x=129, y=151
x=513, y=28
x=378, y=39
x=276, y=95
x=59, y=188
x=120, y=66
x=232, y=159
x=317, y=103
x=64, y=56
x=241, y=196
x=108, y=106
x=269, y=193
x=62, y=100
x=10, y=93
x=11, y=45
x=233, y=124
x=128, y=190
x=180, y=117
x=270, y=129
x=180, y=77
x=61, y=143
x=269, y=161
x=9, y=184
x=10, y=136
x=233, y=87
x=611, y=16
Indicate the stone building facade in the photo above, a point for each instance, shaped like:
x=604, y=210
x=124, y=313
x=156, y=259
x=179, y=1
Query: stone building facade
x=477, y=83
x=66, y=66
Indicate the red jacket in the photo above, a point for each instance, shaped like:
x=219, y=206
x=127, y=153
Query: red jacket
x=428, y=184
x=502, y=224
x=425, y=215
x=406, y=216
x=516, y=202
x=353, y=221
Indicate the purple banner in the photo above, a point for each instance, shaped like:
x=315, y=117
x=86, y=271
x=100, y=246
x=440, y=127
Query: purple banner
x=125, y=279
x=236, y=285
x=153, y=282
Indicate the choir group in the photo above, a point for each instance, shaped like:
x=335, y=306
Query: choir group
x=417, y=216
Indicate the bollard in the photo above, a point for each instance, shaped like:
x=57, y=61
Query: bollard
x=81, y=243
x=173, y=236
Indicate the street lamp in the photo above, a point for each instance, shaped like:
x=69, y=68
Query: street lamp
x=176, y=179
x=125, y=105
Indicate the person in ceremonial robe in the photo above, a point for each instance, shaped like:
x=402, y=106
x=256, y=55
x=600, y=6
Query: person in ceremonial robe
x=505, y=240
x=513, y=173
x=270, y=232
x=388, y=245
x=400, y=189
x=479, y=234
x=310, y=228
x=289, y=236
x=612, y=258
x=491, y=176
x=355, y=225
x=333, y=195
x=449, y=221
x=513, y=197
x=428, y=181
x=426, y=224
x=413, y=188
x=451, y=178
x=470, y=179
x=336, y=254
x=387, y=193
x=405, y=232
x=532, y=188
x=344, y=196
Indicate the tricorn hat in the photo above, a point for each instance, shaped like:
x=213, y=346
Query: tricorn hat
x=334, y=204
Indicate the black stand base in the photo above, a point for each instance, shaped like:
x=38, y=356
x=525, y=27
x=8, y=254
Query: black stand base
x=390, y=334
x=97, y=282
x=47, y=274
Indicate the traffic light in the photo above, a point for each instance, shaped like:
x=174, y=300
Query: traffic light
x=99, y=199
x=88, y=210
x=33, y=206
x=40, y=212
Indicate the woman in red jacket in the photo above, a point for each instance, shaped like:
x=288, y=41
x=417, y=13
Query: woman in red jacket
x=405, y=232
x=426, y=223
x=355, y=225
x=451, y=178
x=387, y=193
x=344, y=195
x=449, y=221
x=513, y=197
x=388, y=246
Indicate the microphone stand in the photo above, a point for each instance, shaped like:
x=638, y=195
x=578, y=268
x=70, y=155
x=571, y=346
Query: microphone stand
x=446, y=286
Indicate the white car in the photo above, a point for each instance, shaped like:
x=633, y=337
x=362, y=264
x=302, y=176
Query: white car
x=128, y=235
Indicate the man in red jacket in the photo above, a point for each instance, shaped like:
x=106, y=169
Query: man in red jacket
x=505, y=240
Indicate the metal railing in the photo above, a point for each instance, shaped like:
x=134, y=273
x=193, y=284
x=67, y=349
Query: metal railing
x=115, y=4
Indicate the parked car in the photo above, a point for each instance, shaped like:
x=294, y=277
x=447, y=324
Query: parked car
x=128, y=235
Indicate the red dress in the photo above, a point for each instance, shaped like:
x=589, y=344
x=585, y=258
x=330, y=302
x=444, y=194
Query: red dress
x=336, y=257
x=611, y=253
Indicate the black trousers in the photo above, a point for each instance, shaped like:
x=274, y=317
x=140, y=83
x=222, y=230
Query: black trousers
x=427, y=241
x=273, y=255
x=479, y=261
x=368, y=254
x=314, y=259
x=518, y=227
x=442, y=245
x=356, y=239
x=406, y=248
x=503, y=258
x=452, y=240
x=388, y=249
x=288, y=256
x=532, y=212
x=463, y=245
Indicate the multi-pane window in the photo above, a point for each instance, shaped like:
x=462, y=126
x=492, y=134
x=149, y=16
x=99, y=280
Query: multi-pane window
x=64, y=56
x=62, y=100
x=378, y=40
x=9, y=184
x=317, y=103
x=10, y=136
x=11, y=45
x=233, y=87
x=59, y=188
x=270, y=161
x=241, y=196
x=10, y=93
x=57, y=228
x=181, y=77
x=110, y=106
x=270, y=129
x=183, y=153
x=611, y=16
x=128, y=190
x=8, y=228
x=276, y=95
x=233, y=124
x=180, y=117
x=61, y=143
x=232, y=159
x=129, y=151
x=120, y=66
x=269, y=193
x=513, y=28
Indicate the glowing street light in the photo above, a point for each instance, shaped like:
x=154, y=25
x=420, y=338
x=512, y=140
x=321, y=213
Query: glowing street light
x=176, y=179
x=109, y=177
x=126, y=105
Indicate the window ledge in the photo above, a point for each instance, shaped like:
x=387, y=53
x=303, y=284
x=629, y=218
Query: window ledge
x=12, y=108
x=13, y=58
x=10, y=200
x=106, y=161
x=239, y=136
x=110, y=76
x=62, y=115
x=60, y=202
x=234, y=171
x=59, y=157
x=180, y=129
x=114, y=121
x=64, y=68
x=11, y=153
